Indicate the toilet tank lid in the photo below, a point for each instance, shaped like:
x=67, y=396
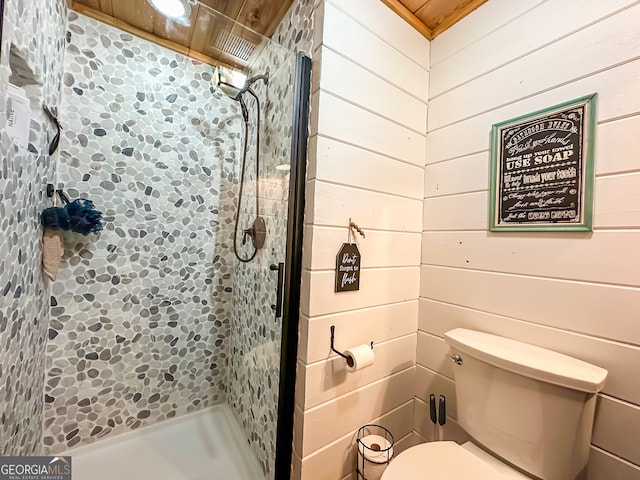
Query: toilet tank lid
x=528, y=360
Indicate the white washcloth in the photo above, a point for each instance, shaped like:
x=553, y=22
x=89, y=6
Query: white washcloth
x=52, y=250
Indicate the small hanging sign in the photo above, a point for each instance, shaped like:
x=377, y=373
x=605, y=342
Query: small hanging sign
x=348, y=268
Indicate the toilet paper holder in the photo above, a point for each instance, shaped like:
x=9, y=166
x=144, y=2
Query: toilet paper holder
x=375, y=450
x=333, y=348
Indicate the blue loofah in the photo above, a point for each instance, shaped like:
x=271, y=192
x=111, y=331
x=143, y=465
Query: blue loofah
x=79, y=216
x=55, y=218
x=83, y=217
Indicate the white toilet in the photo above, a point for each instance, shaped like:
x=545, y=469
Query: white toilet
x=529, y=411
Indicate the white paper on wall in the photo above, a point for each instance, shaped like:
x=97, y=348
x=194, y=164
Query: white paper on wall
x=18, y=115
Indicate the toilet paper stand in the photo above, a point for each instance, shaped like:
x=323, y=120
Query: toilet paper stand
x=375, y=451
x=333, y=348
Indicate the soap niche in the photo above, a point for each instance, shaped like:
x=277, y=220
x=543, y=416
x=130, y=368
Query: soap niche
x=21, y=73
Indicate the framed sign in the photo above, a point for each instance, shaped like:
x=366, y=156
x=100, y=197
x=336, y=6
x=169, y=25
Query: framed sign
x=542, y=169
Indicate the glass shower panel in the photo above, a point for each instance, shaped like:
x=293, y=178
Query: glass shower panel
x=256, y=328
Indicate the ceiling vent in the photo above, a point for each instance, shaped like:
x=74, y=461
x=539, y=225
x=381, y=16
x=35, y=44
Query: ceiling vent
x=234, y=45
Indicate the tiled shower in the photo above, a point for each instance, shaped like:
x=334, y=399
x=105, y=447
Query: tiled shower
x=140, y=317
x=153, y=318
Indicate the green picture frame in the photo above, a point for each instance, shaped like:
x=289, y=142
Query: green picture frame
x=542, y=169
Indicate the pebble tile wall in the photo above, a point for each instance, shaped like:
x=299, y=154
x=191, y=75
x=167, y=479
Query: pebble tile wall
x=145, y=139
x=295, y=32
x=35, y=29
x=140, y=317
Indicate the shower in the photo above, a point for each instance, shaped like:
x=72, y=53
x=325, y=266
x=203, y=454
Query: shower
x=154, y=342
x=234, y=85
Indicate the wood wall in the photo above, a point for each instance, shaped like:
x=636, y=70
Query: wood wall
x=367, y=150
x=577, y=293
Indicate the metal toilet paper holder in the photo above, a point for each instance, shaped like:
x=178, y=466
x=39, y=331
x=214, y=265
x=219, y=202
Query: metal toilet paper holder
x=363, y=449
x=333, y=348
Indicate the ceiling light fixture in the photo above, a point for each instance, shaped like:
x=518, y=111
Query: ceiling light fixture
x=170, y=8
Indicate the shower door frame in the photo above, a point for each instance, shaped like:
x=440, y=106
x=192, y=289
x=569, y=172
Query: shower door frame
x=293, y=267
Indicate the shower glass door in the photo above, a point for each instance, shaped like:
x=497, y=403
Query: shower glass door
x=256, y=314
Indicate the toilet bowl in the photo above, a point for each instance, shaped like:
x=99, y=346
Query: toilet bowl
x=449, y=461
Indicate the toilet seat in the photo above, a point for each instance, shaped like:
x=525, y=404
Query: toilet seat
x=441, y=461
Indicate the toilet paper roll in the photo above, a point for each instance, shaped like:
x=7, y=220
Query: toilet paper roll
x=373, y=471
x=375, y=452
x=359, y=357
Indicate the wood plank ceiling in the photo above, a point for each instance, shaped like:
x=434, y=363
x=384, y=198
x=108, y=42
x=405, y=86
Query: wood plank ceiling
x=213, y=30
x=203, y=33
x=432, y=17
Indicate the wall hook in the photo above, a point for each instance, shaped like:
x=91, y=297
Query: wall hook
x=354, y=226
x=63, y=196
x=56, y=139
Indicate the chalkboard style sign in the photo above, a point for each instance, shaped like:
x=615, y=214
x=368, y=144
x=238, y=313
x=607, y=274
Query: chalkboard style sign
x=348, y=268
x=542, y=169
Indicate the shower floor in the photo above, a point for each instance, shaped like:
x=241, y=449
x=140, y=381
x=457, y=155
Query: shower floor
x=204, y=445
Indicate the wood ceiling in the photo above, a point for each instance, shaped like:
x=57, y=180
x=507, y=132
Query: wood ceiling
x=432, y=17
x=222, y=39
x=203, y=33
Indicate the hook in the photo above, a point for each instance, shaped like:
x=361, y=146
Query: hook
x=54, y=143
x=63, y=196
x=353, y=225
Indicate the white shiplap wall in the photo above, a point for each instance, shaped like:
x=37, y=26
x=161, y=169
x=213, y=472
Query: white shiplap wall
x=576, y=293
x=367, y=148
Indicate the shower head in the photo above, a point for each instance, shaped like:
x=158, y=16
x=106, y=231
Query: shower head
x=230, y=82
x=233, y=83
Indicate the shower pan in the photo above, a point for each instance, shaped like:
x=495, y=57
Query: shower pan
x=186, y=306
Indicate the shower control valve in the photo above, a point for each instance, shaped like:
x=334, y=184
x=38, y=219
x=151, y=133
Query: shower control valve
x=249, y=232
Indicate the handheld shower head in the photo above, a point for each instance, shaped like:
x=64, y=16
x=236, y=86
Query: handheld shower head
x=230, y=82
x=233, y=83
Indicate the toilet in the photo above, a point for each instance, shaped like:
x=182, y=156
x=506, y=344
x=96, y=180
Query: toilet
x=528, y=410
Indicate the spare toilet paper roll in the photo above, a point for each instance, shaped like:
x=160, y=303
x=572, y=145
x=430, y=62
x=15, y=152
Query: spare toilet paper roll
x=375, y=452
x=359, y=357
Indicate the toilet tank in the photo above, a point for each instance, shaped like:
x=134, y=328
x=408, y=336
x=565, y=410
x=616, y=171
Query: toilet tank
x=531, y=406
